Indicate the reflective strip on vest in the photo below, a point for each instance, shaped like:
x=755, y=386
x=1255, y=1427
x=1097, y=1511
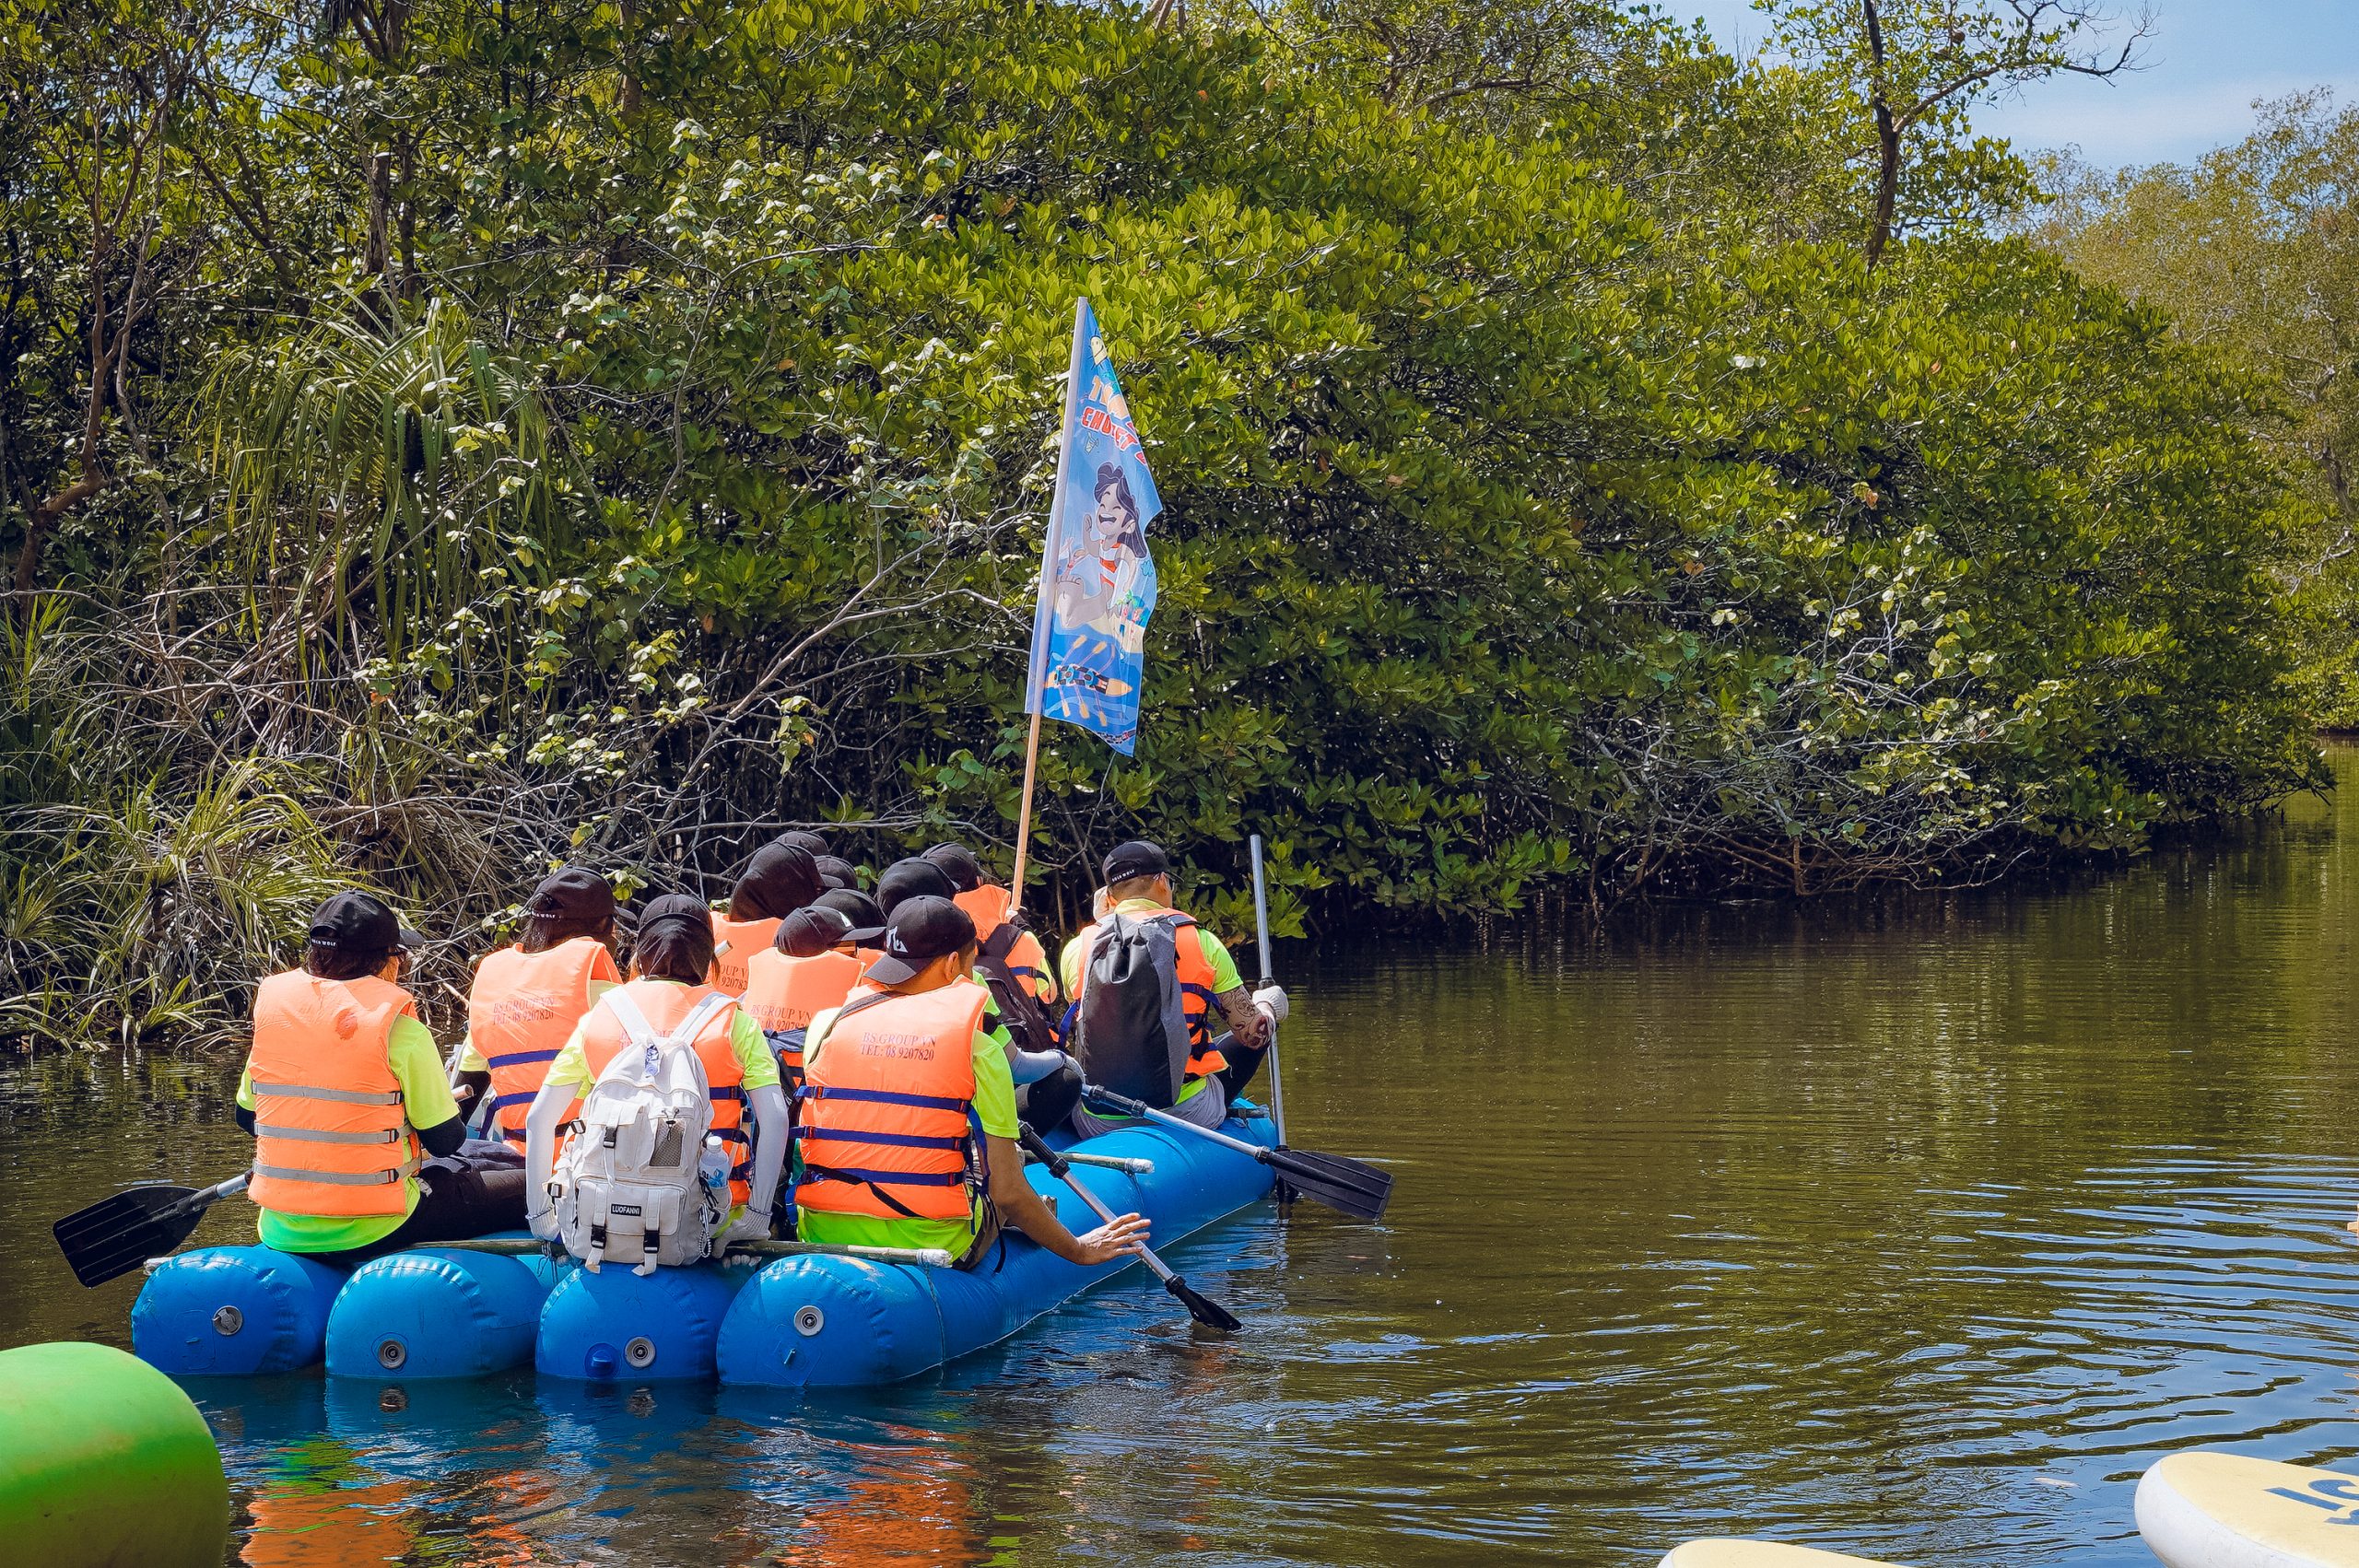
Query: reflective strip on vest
x=324, y=1135
x=339, y=1096
x=339, y=1179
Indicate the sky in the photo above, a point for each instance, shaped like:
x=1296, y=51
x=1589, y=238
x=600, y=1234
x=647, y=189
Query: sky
x=2208, y=62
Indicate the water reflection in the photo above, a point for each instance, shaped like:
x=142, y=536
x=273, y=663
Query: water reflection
x=1915, y=1227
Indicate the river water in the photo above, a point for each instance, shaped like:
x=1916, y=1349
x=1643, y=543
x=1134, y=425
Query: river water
x=1915, y=1227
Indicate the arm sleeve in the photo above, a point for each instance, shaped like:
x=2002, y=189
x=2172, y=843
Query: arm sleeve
x=443, y=1138
x=769, y=1106
x=1069, y=963
x=994, y=1088
x=470, y=1059
x=425, y=1088
x=541, y=1122
x=246, y=1088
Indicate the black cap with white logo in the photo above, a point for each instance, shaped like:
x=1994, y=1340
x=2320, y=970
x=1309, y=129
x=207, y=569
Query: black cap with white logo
x=360, y=922
x=1137, y=858
x=572, y=893
x=921, y=930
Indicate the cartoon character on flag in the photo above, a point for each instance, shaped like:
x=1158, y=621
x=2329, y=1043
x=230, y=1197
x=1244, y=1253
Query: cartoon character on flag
x=1097, y=579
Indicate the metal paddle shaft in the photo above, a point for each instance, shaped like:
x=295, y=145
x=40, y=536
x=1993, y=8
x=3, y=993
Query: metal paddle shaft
x=1349, y=1186
x=1200, y=1307
x=1261, y=931
x=118, y=1234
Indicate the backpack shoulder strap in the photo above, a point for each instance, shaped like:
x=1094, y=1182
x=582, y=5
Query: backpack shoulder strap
x=699, y=1016
x=1002, y=943
x=635, y=1024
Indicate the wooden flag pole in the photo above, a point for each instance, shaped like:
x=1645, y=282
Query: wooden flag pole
x=1035, y=688
x=1023, y=818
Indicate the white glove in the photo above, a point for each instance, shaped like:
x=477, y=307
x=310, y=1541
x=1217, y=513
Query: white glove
x=750, y=1226
x=1271, y=1001
x=544, y=1223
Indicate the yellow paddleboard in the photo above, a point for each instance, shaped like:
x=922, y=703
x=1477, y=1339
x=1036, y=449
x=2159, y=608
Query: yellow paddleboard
x=2205, y=1510
x=1759, y=1554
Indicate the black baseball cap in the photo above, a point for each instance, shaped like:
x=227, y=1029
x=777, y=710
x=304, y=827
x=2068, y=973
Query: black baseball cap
x=957, y=863
x=1138, y=857
x=360, y=922
x=572, y=893
x=809, y=932
x=781, y=879
x=921, y=930
x=912, y=878
x=682, y=908
x=853, y=906
x=837, y=872
x=810, y=843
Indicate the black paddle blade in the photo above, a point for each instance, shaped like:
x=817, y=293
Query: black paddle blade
x=1349, y=1186
x=116, y=1234
x=1204, y=1310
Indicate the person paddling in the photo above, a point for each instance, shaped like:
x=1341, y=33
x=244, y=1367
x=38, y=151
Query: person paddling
x=907, y=1112
x=346, y=1096
x=1133, y=1046
x=527, y=997
x=670, y=957
x=779, y=880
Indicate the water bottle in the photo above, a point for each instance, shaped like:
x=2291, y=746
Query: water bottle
x=713, y=1169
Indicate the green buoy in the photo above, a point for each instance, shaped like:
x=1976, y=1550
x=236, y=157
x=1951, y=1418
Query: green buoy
x=104, y=1461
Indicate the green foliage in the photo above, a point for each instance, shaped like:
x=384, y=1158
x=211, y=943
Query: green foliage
x=2255, y=254
x=658, y=452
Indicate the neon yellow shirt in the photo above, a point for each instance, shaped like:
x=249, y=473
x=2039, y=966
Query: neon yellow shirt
x=426, y=1102
x=1216, y=958
x=994, y=1107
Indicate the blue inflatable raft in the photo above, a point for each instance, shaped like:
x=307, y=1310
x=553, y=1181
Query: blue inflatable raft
x=797, y=1322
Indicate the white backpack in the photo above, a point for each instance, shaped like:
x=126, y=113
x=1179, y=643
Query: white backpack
x=634, y=1178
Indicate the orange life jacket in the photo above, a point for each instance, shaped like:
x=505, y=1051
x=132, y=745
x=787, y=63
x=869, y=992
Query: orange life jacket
x=1026, y=959
x=330, y=1134
x=734, y=942
x=667, y=1005
x=887, y=1122
x=521, y=1012
x=1196, y=989
x=784, y=993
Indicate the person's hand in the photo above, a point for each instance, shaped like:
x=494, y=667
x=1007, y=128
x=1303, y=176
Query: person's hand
x=1271, y=1001
x=750, y=1226
x=1123, y=1237
x=544, y=1223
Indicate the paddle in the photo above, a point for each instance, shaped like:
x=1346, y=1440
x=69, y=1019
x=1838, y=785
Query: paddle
x=116, y=1234
x=1261, y=931
x=1209, y=1313
x=1350, y=1187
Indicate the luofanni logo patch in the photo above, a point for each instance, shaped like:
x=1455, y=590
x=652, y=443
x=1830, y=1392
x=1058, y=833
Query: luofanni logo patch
x=2338, y=1495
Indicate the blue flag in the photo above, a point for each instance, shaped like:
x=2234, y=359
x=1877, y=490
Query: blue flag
x=1097, y=579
